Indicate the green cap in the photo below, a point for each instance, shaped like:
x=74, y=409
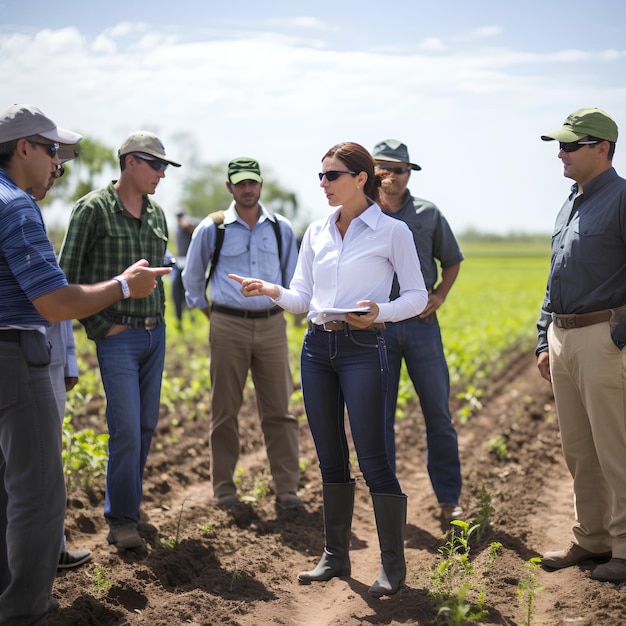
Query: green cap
x=244, y=168
x=584, y=122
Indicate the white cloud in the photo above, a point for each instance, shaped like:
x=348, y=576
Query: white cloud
x=487, y=31
x=431, y=44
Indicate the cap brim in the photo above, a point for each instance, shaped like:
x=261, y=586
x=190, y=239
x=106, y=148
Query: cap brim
x=239, y=176
x=151, y=156
x=564, y=135
x=413, y=166
x=66, y=154
x=61, y=135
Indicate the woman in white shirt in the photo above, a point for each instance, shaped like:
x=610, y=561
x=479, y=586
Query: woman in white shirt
x=346, y=263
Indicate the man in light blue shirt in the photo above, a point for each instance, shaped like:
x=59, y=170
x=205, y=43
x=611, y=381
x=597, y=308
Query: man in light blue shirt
x=246, y=335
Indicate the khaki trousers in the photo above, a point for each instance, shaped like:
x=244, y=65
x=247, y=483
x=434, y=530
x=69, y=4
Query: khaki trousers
x=239, y=345
x=588, y=377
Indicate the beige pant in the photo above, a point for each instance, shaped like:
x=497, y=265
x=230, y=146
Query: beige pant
x=240, y=345
x=588, y=376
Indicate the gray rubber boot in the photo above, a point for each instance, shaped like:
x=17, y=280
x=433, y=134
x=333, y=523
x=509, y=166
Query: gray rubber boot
x=390, y=512
x=338, y=508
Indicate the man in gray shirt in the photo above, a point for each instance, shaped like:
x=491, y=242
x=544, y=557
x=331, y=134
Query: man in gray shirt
x=418, y=339
x=582, y=330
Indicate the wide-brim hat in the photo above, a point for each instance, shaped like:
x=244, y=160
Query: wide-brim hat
x=393, y=150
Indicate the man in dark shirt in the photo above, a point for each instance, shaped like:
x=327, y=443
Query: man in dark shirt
x=582, y=330
x=418, y=339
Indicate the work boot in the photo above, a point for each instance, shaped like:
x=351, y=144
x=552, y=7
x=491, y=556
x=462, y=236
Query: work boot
x=572, y=555
x=612, y=572
x=338, y=508
x=390, y=512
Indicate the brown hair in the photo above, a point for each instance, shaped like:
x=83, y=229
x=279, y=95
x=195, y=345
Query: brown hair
x=357, y=159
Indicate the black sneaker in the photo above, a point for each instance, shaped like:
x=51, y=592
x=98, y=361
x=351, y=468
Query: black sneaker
x=69, y=559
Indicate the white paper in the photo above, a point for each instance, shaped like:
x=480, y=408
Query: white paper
x=358, y=309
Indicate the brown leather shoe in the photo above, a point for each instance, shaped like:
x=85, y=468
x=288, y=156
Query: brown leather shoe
x=125, y=536
x=573, y=555
x=226, y=501
x=612, y=572
x=450, y=512
x=289, y=501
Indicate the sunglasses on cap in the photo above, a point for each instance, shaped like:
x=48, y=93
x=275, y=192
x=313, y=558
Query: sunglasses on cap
x=396, y=169
x=51, y=148
x=577, y=145
x=155, y=164
x=332, y=175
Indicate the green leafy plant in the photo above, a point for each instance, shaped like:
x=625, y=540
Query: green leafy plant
x=485, y=514
x=497, y=445
x=472, y=403
x=85, y=454
x=461, y=598
x=528, y=589
x=101, y=580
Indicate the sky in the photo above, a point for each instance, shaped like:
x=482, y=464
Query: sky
x=468, y=86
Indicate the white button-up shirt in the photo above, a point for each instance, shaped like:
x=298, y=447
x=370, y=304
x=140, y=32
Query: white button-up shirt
x=337, y=273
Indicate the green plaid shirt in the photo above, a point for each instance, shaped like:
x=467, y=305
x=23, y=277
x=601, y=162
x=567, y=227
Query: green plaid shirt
x=102, y=240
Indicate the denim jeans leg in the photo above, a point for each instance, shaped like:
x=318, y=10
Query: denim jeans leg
x=131, y=365
x=350, y=367
x=393, y=340
x=32, y=489
x=423, y=353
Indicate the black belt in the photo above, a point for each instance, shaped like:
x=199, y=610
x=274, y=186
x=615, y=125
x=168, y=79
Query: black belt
x=10, y=334
x=251, y=315
x=149, y=323
x=340, y=326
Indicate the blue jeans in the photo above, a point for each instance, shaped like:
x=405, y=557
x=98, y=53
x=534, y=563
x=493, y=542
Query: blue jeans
x=348, y=367
x=32, y=488
x=131, y=365
x=419, y=342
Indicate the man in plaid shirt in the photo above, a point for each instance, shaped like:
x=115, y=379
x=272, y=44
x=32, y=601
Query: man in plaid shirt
x=107, y=227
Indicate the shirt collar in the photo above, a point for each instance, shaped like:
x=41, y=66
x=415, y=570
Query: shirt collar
x=369, y=217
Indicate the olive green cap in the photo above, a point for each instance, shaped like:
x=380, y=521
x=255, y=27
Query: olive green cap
x=583, y=123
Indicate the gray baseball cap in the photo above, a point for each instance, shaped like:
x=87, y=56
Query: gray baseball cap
x=25, y=120
x=393, y=150
x=147, y=143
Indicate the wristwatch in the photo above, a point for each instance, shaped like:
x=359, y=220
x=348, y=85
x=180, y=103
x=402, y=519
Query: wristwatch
x=124, y=285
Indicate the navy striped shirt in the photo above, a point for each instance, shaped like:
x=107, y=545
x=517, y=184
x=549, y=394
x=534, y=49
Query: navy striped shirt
x=28, y=267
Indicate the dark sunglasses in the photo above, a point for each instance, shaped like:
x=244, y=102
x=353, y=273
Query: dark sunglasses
x=396, y=169
x=52, y=148
x=332, y=175
x=576, y=145
x=153, y=163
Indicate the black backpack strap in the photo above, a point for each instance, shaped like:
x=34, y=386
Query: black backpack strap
x=220, y=228
x=279, y=241
x=220, y=231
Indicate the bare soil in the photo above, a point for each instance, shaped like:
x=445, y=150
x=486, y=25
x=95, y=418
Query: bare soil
x=208, y=566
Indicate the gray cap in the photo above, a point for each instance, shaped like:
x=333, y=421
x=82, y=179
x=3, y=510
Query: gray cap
x=393, y=150
x=145, y=143
x=25, y=120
